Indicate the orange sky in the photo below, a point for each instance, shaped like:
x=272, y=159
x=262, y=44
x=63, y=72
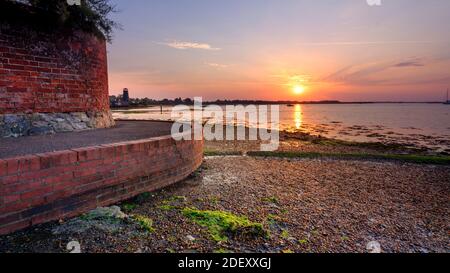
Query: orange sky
x=344, y=50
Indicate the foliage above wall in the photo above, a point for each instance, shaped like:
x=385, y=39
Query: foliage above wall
x=90, y=16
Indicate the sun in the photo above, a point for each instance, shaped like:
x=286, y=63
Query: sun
x=298, y=89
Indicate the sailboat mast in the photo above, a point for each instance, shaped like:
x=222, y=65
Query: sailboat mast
x=447, y=101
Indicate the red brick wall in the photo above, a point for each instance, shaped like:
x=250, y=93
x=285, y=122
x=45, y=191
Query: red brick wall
x=51, y=72
x=45, y=187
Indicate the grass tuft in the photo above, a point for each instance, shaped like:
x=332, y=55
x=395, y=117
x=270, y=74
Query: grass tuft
x=371, y=145
x=142, y=198
x=171, y=203
x=272, y=219
x=144, y=222
x=220, y=223
x=418, y=159
x=271, y=199
x=285, y=234
x=167, y=207
x=207, y=152
x=222, y=251
x=128, y=207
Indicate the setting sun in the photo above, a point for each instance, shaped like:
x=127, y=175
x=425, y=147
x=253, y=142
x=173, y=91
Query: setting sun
x=298, y=89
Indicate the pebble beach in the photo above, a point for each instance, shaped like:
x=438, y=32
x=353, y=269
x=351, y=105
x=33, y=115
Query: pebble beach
x=301, y=205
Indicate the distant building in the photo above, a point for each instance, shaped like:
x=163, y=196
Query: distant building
x=122, y=100
x=125, y=97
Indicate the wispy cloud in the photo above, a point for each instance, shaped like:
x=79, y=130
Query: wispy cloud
x=190, y=45
x=363, y=43
x=288, y=79
x=365, y=73
x=412, y=63
x=217, y=66
x=410, y=71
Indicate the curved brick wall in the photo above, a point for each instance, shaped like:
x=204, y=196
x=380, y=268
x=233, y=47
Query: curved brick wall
x=53, y=72
x=45, y=187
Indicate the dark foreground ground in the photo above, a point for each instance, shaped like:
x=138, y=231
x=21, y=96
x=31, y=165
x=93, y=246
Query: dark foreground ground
x=123, y=131
x=303, y=205
x=308, y=198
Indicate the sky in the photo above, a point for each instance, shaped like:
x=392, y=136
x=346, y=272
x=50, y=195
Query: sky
x=343, y=50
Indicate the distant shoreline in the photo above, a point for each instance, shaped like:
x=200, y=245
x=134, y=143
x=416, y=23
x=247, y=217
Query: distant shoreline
x=245, y=102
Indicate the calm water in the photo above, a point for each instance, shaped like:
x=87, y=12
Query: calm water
x=426, y=125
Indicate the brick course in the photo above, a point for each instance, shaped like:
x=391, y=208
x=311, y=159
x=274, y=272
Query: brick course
x=45, y=187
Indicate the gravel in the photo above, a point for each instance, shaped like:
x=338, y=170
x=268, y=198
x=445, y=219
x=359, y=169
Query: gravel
x=308, y=206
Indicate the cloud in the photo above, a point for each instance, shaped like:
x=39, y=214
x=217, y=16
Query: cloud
x=406, y=72
x=216, y=65
x=293, y=79
x=363, y=73
x=363, y=43
x=190, y=45
x=409, y=64
x=357, y=73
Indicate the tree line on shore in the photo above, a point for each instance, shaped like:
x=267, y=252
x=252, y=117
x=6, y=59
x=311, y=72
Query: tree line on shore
x=118, y=101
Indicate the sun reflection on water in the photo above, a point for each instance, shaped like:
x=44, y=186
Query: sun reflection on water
x=298, y=116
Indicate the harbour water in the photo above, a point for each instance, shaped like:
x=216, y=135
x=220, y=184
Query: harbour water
x=411, y=124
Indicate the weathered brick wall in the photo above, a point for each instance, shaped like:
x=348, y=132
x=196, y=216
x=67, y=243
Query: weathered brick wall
x=45, y=187
x=51, y=72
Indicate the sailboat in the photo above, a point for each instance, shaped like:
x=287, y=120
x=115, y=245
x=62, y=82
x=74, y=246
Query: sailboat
x=447, y=101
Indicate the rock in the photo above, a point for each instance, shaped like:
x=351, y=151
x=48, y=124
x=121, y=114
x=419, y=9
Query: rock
x=190, y=238
x=79, y=126
x=5, y=131
x=81, y=116
x=17, y=124
x=45, y=117
x=62, y=125
x=105, y=219
x=38, y=131
x=62, y=116
x=9, y=118
x=424, y=250
x=113, y=211
x=374, y=247
x=73, y=226
x=274, y=206
x=103, y=119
